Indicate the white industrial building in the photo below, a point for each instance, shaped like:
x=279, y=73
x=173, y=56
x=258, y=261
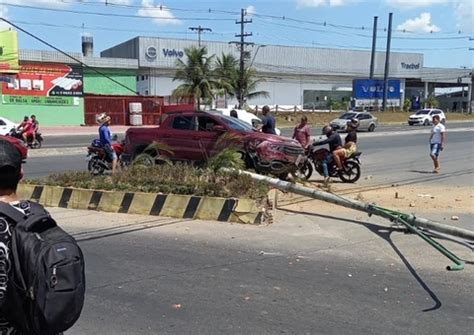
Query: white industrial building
x=295, y=76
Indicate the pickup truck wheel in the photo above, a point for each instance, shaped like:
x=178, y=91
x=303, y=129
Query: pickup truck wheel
x=144, y=160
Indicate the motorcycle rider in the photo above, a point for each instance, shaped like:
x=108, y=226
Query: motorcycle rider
x=106, y=139
x=35, y=123
x=350, y=144
x=335, y=142
x=26, y=128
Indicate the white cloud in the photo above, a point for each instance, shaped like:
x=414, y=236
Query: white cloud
x=45, y=3
x=161, y=14
x=421, y=24
x=410, y=4
x=120, y=2
x=318, y=3
x=464, y=10
x=3, y=13
x=250, y=10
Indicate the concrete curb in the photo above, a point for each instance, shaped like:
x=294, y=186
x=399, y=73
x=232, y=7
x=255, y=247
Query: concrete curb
x=171, y=205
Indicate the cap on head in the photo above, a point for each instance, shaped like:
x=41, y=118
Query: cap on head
x=102, y=118
x=354, y=123
x=25, y=118
x=9, y=155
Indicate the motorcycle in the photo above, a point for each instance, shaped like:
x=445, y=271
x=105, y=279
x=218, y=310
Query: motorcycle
x=36, y=144
x=314, y=157
x=97, y=162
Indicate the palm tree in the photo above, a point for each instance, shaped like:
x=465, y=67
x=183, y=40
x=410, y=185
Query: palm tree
x=196, y=74
x=249, y=85
x=226, y=73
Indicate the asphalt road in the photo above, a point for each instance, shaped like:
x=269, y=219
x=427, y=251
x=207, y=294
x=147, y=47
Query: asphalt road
x=400, y=157
x=84, y=140
x=306, y=274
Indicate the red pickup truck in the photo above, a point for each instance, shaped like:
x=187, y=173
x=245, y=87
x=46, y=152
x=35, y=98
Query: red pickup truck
x=192, y=136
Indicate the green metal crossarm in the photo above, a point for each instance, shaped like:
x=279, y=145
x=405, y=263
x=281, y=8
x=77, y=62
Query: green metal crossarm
x=402, y=218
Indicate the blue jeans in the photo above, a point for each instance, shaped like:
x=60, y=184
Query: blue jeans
x=326, y=161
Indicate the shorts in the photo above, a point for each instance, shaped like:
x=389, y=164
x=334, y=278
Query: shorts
x=434, y=149
x=349, y=149
x=110, y=154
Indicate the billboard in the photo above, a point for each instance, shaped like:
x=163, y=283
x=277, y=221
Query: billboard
x=8, y=52
x=46, y=80
x=373, y=89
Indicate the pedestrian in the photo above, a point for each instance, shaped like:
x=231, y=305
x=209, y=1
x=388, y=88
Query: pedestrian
x=10, y=175
x=302, y=132
x=105, y=138
x=437, y=141
x=26, y=228
x=268, y=121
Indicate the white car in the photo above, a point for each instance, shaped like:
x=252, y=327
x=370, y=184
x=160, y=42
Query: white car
x=6, y=125
x=425, y=116
x=245, y=116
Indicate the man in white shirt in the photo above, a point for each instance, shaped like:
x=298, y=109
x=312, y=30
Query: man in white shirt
x=437, y=141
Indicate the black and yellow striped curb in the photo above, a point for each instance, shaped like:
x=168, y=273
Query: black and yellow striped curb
x=172, y=205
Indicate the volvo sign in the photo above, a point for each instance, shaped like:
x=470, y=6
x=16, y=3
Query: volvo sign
x=173, y=53
x=373, y=89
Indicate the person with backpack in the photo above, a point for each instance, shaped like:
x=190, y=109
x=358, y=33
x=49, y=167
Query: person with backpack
x=42, y=281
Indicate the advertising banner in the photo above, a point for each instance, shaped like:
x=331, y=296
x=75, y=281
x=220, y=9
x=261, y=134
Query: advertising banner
x=373, y=89
x=36, y=100
x=8, y=52
x=46, y=80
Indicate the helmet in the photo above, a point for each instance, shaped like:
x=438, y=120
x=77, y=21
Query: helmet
x=102, y=118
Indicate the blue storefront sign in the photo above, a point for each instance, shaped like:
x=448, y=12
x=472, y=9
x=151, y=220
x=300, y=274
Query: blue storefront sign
x=373, y=89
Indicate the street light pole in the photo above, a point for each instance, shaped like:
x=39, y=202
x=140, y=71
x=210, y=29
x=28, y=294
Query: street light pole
x=255, y=55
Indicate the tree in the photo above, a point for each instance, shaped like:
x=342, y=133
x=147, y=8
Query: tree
x=431, y=102
x=196, y=74
x=249, y=85
x=226, y=73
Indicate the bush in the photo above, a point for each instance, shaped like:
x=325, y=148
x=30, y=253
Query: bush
x=176, y=179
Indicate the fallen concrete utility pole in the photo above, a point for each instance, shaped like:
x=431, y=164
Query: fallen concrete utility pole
x=410, y=221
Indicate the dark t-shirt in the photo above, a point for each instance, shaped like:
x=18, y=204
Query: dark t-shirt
x=268, y=124
x=334, y=141
x=351, y=137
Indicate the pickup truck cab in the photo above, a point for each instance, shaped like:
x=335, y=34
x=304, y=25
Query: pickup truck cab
x=192, y=136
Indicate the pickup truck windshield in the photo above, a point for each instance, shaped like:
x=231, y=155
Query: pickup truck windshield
x=236, y=124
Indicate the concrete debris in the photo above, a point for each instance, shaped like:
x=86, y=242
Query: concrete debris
x=455, y=218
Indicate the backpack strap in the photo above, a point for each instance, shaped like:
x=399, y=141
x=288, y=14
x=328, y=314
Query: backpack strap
x=11, y=212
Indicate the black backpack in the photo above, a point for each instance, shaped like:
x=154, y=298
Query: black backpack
x=46, y=284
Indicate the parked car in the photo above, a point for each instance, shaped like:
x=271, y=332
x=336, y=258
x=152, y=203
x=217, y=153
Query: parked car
x=245, y=116
x=424, y=117
x=6, y=125
x=195, y=137
x=19, y=144
x=366, y=121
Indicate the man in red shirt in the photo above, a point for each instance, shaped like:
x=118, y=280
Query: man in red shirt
x=27, y=129
x=302, y=133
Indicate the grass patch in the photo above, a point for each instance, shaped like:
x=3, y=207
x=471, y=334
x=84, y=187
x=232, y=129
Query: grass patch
x=165, y=178
x=291, y=119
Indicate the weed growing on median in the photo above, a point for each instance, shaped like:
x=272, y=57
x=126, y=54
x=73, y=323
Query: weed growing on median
x=179, y=178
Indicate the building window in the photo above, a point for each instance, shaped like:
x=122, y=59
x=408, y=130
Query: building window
x=138, y=78
x=143, y=78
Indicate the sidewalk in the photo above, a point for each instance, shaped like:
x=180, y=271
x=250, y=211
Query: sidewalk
x=80, y=130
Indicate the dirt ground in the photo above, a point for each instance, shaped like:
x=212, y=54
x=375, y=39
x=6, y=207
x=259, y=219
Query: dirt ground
x=453, y=201
x=288, y=119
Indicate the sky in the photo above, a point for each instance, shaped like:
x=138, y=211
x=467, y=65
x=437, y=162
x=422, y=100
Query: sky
x=443, y=30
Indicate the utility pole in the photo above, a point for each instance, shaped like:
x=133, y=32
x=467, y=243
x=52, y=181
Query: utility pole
x=374, y=43
x=199, y=30
x=470, y=93
x=387, y=62
x=242, y=45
